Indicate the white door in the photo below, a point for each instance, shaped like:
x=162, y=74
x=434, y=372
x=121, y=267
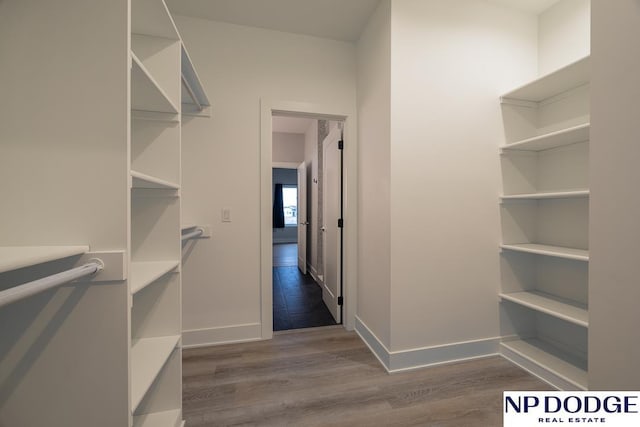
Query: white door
x=331, y=207
x=302, y=218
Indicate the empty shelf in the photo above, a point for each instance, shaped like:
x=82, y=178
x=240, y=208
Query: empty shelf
x=141, y=180
x=572, y=135
x=550, y=195
x=148, y=356
x=146, y=93
x=159, y=419
x=554, y=251
x=562, y=80
x=145, y=273
x=194, y=97
x=549, y=305
x=550, y=359
x=188, y=227
x=152, y=18
x=15, y=257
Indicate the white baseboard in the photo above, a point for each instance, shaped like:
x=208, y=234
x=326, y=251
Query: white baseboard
x=312, y=271
x=222, y=335
x=404, y=360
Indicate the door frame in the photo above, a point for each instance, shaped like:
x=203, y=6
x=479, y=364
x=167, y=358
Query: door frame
x=268, y=108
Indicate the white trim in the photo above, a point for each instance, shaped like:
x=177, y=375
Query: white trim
x=376, y=346
x=285, y=165
x=314, y=273
x=268, y=108
x=416, y=358
x=206, y=337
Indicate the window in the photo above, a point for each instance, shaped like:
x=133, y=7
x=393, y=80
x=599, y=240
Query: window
x=290, y=204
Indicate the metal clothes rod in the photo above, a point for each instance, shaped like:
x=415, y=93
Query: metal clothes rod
x=28, y=289
x=192, y=235
x=191, y=93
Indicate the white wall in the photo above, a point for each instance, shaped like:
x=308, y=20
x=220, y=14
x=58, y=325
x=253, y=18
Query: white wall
x=563, y=34
x=450, y=63
x=288, y=147
x=614, y=347
x=374, y=86
x=240, y=65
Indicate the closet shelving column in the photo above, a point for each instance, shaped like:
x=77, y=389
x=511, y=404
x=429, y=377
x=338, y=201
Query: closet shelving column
x=545, y=215
x=155, y=283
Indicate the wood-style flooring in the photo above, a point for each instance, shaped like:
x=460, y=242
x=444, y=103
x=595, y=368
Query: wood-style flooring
x=285, y=254
x=328, y=377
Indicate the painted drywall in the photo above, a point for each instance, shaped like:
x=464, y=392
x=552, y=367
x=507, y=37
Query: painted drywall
x=614, y=347
x=288, y=177
x=563, y=34
x=450, y=62
x=311, y=161
x=221, y=159
x=288, y=147
x=374, y=97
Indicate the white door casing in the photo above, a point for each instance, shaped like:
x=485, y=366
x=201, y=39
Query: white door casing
x=303, y=221
x=331, y=209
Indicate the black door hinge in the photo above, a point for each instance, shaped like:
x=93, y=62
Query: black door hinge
x=340, y=223
x=340, y=300
x=340, y=145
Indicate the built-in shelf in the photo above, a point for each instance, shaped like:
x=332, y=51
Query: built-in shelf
x=573, y=75
x=550, y=195
x=141, y=180
x=547, y=250
x=186, y=227
x=146, y=93
x=152, y=18
x=194, y=99
x=550, y=305
x=15, y=257
x=565, y=367
x=145, y=273
x=148, y=356
x=572, y=135
x=159, y=419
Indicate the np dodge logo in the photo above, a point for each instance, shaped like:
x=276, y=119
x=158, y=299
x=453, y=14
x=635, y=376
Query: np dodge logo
x=535, y=408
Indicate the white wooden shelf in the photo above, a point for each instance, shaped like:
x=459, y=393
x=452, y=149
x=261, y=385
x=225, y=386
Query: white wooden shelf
x=148, y=356
x=145, y=273
x=152, y=18
x=159, y=419
x=568, y=136
x=547, y=250
x=185, y=227
x=194, y=99
x=573, y=75
x=15, y=257
x=550, y=305
x=534, y=355
x=146, y=93
x=141, y=180
x=550, y=195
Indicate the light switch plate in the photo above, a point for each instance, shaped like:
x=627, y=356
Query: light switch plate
x=226, y=214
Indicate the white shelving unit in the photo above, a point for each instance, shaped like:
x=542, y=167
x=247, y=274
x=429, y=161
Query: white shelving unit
x=15, y=257
x=99, y=179
x=545, y=215
x=194, y=98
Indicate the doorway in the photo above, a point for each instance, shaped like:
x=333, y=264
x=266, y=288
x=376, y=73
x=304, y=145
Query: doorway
x=300, y=295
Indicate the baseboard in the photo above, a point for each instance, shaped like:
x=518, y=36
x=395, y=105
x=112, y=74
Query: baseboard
x=222, y=335
x=376, y=346
x=314, y=274
x=405, y=360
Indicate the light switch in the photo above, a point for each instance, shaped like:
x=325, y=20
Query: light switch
x=226, y=214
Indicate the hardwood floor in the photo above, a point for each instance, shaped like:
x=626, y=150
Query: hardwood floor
x=285, y=254
x=328, y=377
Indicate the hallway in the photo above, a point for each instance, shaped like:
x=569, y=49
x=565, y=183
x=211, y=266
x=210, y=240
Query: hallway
x=297, y=298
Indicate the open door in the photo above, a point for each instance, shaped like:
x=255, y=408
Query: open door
x=302, y=218
x=332, y=230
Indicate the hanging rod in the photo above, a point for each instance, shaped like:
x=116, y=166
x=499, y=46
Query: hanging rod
x=192, y=235
x=191, y=93
x=28, y=289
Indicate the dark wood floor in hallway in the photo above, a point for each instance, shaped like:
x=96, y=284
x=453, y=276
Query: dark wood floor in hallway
x=328, y=377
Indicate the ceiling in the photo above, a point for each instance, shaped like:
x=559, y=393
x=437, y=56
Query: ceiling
x=333, y=19
x=290, y=124
x=531, y=6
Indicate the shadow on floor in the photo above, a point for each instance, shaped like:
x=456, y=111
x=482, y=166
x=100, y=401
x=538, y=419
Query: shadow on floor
x=297, y=301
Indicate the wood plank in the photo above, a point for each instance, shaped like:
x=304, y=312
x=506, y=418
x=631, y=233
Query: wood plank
x=329, y=377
